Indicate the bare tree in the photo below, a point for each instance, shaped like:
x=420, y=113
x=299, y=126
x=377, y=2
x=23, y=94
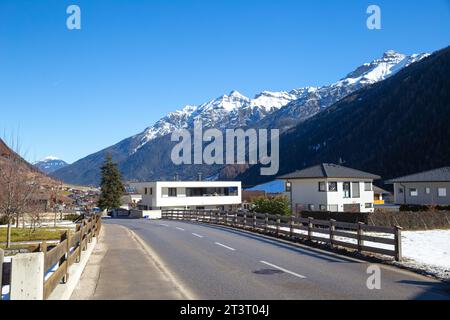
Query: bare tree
x=18, y=185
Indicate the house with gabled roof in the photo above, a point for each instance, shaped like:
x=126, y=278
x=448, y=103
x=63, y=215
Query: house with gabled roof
x=330, y=187
x=425, y=188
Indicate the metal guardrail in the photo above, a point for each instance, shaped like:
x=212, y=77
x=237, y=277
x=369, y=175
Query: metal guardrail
x=331, y=232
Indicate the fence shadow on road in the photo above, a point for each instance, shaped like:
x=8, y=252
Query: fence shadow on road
x=329, y=257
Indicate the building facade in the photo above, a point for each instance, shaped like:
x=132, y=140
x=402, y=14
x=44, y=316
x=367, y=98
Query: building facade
x=425, y=188
x=212, y=195
x=330, y=187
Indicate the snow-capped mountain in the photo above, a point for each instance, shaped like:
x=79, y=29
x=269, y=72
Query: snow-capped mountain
x=146, y=156
x=50, y=164
x=282, y=109
x=312, y=100
x=228, y=111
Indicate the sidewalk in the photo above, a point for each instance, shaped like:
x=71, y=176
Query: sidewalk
x=122, y=268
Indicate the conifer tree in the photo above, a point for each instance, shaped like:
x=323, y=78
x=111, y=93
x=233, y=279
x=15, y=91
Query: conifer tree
x=112, y=187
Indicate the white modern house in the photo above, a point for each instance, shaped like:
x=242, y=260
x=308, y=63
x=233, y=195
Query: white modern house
x=160, y=195
x=330, y=187
x=424, y=188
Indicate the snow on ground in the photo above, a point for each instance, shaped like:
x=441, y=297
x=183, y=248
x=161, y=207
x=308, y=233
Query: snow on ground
x=428, y=251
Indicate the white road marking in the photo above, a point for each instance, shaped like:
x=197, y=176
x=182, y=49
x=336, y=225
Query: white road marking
x=284, y=270
x=224, y=246
x=164, y=225
x=181, y=229
x=197, y=235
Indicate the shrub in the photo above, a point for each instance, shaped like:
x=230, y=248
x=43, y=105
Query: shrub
x=3, y=219
x=272, y=205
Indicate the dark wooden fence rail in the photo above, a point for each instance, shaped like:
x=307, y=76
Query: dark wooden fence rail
x=63, y=255
x=332, y=232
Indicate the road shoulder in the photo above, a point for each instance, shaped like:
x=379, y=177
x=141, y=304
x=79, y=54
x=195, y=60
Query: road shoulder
x=122, y=266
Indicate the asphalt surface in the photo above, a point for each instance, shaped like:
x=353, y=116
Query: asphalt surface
x=218, y=263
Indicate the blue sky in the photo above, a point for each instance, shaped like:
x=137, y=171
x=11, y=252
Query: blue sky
x=72, y=93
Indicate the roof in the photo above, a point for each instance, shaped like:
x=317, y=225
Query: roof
x=327, y=170
x=378, y=190
x=436, y=175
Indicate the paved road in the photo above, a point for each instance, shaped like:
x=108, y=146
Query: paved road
x=116, y=267
x=214, y=262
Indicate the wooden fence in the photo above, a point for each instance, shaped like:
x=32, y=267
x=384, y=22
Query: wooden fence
x=59, y=258
x=357, y=236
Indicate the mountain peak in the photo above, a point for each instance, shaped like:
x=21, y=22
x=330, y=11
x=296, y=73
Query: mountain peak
x=392, y=54
x=236, y=93
x=50, y=158
x=50, y=164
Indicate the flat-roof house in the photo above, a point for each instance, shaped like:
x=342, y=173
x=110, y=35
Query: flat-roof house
x=424, y=188
x=330, y=187
x=189, y=195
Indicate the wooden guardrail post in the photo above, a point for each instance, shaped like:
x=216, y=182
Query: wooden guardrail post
x=235, y=220
x=360, y=233
x=66, y=271
x=278, y=224
x=245, y=220
x=310, y=227
x=254, y=221
x=291, y=227
x=266, y=222
x=63, y=259
x=398, y=243
x=43, y=247
x=332, y=229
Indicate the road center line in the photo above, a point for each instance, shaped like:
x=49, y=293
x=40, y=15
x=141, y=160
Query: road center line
x=224, y=246
x=181, y=229
x=164, y=225
x=197, y=235
x=284, y=270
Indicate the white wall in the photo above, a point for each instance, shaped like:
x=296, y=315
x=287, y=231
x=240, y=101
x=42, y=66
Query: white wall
x=306, y=192
x=160, y=198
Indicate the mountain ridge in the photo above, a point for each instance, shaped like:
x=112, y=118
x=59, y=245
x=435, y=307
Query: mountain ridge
x=268, y=109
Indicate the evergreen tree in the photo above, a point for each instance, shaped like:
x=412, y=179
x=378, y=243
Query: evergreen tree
x=111, y=185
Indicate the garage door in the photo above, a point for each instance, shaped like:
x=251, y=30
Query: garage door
x=352, y=208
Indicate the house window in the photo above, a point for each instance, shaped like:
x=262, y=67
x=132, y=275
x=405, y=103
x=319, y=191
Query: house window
x=332, y=186
x=413, y=192
x=442, y=192
x=322, y=207
x=400, y=190
x=172, y=192
x=355, y=190
x=346, y=186
x=369, y=205
x=333, y=208
x=367, y=186
x=145, y=191
x=322, y=186
x=311, y=207
x=427, y=190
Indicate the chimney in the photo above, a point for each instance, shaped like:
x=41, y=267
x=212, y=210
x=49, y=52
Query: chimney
x=199, y=176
